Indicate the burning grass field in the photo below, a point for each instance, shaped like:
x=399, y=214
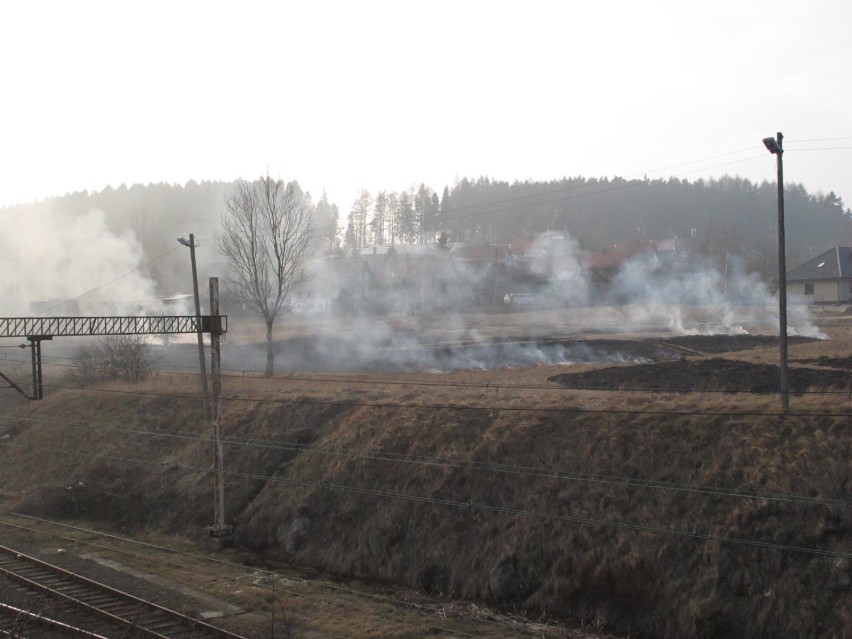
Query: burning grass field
x=445, y=342
x=662, y=494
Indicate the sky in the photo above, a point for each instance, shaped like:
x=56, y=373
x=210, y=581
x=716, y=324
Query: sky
x=381, y=95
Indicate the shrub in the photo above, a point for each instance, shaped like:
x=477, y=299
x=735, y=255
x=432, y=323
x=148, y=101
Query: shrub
x=121, y=357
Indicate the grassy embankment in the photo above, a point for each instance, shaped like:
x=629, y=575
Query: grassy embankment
x=497, y=486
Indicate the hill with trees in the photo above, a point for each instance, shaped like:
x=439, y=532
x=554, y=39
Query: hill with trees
x=720, y=218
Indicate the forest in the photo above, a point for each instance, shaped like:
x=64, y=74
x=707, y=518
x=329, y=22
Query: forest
x=719, y=218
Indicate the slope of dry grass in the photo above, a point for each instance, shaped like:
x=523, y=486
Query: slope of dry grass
x=496, y=486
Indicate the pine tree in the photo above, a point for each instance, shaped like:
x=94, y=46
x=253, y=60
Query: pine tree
x=380, y=212
x=326, y=217
x=406, y=223
x=358, y=217
x=393, y=214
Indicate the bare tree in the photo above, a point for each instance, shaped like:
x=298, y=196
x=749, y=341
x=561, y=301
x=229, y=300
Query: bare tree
x=266, y=236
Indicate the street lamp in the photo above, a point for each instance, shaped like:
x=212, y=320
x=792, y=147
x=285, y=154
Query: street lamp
x=201, y=363
x=774, y=146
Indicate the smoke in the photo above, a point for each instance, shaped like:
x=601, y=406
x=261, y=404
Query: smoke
x=557, y=260
x=58, y=263
x=690, y=296
x=428, y=308
x=411, y=307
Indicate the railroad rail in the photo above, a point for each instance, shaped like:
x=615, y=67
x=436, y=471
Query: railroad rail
x=103, y=610
x=15, y=621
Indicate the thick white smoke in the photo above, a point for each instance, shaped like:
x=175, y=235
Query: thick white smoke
x=690, y=296
x=428, y=308
x=557, y=259
x=69, y=264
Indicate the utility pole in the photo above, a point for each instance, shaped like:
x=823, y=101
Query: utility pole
x=202, y=365
x=220, y=533
x=776, y=147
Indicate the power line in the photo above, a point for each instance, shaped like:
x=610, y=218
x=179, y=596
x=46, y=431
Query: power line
x=786, y=141
x=465, y=505
x=465, y=407
x=462, y=464
x=451, y=215
x=484, y=386
x=573, y=187
x=113, y=281
x=712, y=157
x=824, y=148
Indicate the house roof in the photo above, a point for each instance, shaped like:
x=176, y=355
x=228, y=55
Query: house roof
x=835, y=263
x=604, y=259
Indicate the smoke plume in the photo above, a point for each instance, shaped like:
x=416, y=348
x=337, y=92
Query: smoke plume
x=61, y=264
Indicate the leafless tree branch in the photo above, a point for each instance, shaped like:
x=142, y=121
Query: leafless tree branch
x=267, y=229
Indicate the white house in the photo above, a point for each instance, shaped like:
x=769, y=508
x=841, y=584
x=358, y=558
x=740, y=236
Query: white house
x=825, y=279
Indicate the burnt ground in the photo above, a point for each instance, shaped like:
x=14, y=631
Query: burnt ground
x=832, y=362
x=715, y=374
x=407, y=351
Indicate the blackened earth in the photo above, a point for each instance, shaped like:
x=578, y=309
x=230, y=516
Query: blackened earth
x=716, y=374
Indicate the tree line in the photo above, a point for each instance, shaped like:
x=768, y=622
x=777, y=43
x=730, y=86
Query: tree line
x=720, y=218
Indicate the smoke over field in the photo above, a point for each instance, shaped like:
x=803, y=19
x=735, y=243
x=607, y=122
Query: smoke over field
x=424, y=307
x=63, y=264
x=428, y=308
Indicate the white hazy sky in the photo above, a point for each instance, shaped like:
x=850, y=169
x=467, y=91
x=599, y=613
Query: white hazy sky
x=340, y=95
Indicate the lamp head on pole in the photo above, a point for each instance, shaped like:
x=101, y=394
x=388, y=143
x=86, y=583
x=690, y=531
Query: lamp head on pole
x=184, y=241
x=772, y=145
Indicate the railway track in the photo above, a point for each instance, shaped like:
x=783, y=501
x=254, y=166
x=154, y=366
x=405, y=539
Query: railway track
x=73, y=605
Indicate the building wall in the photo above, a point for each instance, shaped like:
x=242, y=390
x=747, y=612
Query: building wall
x=846, y=290
x=823, y=291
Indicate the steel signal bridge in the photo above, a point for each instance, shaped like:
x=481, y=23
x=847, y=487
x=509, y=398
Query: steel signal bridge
x=38, y=329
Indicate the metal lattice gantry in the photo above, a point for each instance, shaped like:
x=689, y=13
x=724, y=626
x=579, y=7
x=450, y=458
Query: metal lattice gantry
x=39, y=329
x=119, y=325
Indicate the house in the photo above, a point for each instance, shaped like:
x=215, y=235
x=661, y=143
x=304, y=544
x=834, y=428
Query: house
x=825, y=279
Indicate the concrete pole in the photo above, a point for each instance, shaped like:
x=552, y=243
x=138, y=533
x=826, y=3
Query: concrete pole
x=202, y=365
x=33, y=346
x=782, y=279
x=220, y=530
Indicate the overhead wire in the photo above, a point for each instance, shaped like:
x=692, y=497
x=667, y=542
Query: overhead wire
x=456, y=504
x=490, y=466
x=461, y=407
x=572, y=187
x=823, y=148
x=112, y=281
x=799, y=141
x=453, y=215
x=374, y=380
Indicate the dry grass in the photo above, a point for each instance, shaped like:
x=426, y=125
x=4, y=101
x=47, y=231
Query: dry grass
x=310, y=435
